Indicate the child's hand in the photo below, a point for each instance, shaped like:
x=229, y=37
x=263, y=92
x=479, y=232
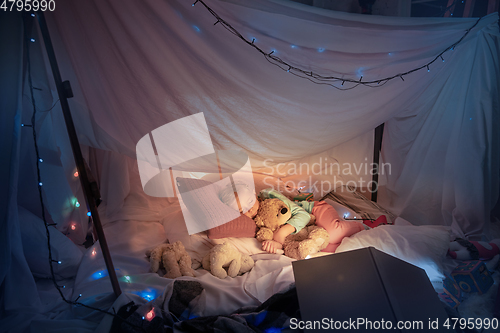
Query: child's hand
x=281, y=233
x=271, y=246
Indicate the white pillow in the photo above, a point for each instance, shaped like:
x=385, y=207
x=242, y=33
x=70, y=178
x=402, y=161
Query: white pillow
x=196, y=245
x=34, y=238
x=423, y=246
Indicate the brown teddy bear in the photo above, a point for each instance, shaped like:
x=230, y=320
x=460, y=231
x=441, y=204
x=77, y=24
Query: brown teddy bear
x=173, y=258
x=226, y=256
x=273, y=213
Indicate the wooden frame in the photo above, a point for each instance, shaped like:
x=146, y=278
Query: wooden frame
x=64, y=92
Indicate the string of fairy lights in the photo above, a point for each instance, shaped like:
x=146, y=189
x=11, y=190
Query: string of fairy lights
x=336, y=82
x=147, y=316
x=39, y=160
x=333, y=81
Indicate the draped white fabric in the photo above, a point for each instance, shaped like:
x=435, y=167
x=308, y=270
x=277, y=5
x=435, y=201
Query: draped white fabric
x=137, y=65
x=140, y=65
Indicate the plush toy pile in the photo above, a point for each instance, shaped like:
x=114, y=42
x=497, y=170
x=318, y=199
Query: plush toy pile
x=273, y=213
x=225, y=260
x=222, y=260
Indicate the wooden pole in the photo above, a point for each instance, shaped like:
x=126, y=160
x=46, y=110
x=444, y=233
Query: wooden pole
x=449, y=12
x=493, y=6
x=64, y=92
x=469, y=8
x=377, y=147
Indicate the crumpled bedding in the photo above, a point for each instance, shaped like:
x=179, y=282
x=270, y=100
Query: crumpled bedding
x=174, y=312
x=128, y=241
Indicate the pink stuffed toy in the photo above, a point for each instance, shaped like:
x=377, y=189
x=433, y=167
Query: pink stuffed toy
x=472, y=250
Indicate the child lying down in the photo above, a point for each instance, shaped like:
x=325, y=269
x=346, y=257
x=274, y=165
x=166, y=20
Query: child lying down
x=328, y=218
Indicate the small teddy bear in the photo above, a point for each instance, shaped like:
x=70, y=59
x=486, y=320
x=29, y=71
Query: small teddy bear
x=272, y=214
x=311, y=239
x=226, y=256
x=173, y=258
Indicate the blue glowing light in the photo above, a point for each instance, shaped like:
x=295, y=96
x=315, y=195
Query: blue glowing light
x=196, y=28
x=89, y=214
x=391, y=54
x=259, y=318
x=77, y=204
x=346, y=215
x=59, y=262
x=40, y=184
x=273, y=330
x=32, y=40
x=99, y=274
x=41, y=160
x=148, y=294
x=294, y=46
x=32, y=15
x=321, y=50
x=470, y=118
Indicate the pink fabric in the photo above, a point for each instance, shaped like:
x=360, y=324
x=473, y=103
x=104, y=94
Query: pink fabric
x=486, y=251
x=382, y=219
x=242, y=226
x=327, y=217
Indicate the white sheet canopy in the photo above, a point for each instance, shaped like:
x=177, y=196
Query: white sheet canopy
x=140, y=66
x=137, y=65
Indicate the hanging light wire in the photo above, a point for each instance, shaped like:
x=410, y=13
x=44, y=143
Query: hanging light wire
x=318, y=78
x=47, y=225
